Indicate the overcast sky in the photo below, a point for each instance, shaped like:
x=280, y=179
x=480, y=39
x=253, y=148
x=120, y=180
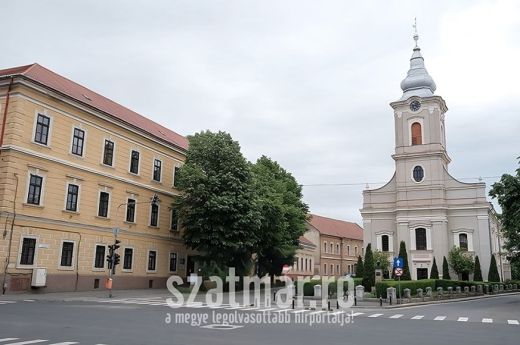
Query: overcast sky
x=307, y=83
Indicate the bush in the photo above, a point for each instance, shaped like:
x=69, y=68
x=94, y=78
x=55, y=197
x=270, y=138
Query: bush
x=308, y=288
x=413, y=285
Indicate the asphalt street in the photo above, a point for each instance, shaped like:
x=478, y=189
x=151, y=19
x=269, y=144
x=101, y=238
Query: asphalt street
x=150, y=321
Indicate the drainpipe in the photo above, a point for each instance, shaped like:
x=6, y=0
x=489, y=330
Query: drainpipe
x=4, y=120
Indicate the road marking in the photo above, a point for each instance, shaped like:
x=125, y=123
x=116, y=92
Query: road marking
x=487, y=320
x=417, y=317
x=230, y=308
x=375, y=315
x=222, y=327
x=357, y=314
x=268, y=309
x=28, y=300
x=299, y=311
x=246, y=309
x=29, y=342
x=462, y=319
x=337, y=312
x=7, y=339
x=65, y=343
x=317, y=312
x=513, y=322
x=7, y=302
x=440, y=318
x=282, y=310
x=396, y=316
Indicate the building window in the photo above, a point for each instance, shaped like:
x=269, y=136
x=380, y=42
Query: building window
x=420, y=239
x=355, y=251
x=72, y=197
x=416, y=134
x=348, y=250
x=41, y=135
x=418, y=173
x=337, y=269
x=134, y=162
x=174, y=225
x=463, y=241
x=28, y=251
x=104, y=198
x=337, y=248
x=154, y=215
x=157, y=170
x=130, y=210
x=173, y=262
x=77, y=141
x=331, y=269
x=108, y=152
x=331, y=246
x=152, y=258
x=35, y=189
x=324, y=268
x=176, y=171
x=384, y=243
x=325, y=247
x=128, y=257
x=67, y=249
x=99, y=261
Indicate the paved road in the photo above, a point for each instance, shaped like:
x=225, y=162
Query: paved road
x=144, y=321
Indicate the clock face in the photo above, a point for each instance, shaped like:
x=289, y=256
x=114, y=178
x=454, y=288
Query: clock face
x=415, y=105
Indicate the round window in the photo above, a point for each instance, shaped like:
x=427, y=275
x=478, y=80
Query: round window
x=418, y=173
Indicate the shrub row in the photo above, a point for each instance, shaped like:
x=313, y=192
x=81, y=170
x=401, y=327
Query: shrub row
x=308, y=288
x=413, y=285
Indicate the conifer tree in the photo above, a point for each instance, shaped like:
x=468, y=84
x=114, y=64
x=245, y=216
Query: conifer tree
x=435, y=272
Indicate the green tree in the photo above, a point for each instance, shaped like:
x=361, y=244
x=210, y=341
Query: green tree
x=445, y=269
x=360, y=267
x=493, y=275
x=477, y=272
x=434, y=274
x=369, y=272
x=217, y=203
x=507, y=193
x=460, y=261
x=381, y=258
x=282, y=215
x=406, y=269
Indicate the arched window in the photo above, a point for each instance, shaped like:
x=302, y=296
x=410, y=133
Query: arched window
x=331, y=248
x=337, y=248
x=348, y=250
x=420, y=239
x=384, y=243
x=325, y=247
x=416, y=134
x=324, y=269
x=463, y=241
x=331, y=269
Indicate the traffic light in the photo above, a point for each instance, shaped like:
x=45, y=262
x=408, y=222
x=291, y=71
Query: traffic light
x=110, y=256
x=115, y=257
x=116, y=245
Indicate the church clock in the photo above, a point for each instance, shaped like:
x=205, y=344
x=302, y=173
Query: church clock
x=415, y=105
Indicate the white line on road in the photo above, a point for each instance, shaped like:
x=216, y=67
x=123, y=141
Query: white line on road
x=337, y=312
x=299, y=311
x=396, y=316
x=417, y=317
x=513, y=322
x=317, y=312
x=7, y=339
x=440, y=318
x=375, y=315
x=29, y=342
x=487, y=320
x=462, y=319
x=65, y=343
x=268, y=309
x=357, y=314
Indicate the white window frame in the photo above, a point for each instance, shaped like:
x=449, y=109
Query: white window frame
x=105, y=266
x=74, y=182
x=126, y=270
x=138, y=164
x=411, y=120
x=35, y=259
x=156, y=260
x=43, y=175
x=105, y=190
x=74, y=249
x=49, y=136
x=158, y=216
x=468, y=232
x=133, y=197
x=411, y=173
x=153, y=169
x=428, y=236
x=176, y=264
x=103, y=152
x=84, y=148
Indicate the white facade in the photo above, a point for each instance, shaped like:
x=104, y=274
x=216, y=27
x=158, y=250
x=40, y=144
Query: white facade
x=423, y=205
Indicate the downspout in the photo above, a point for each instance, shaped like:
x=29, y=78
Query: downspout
x=4, y=120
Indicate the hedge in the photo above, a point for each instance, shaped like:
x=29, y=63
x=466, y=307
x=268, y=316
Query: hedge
x=308, y=288
x=413, y=285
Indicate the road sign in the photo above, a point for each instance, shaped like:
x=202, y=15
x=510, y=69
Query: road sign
x=398, y=262
x=398, y=272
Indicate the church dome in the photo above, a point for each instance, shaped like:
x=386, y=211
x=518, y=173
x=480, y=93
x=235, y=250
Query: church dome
x=417, y=82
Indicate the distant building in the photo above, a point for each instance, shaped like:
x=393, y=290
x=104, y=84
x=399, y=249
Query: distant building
x=76, y=165
x=330, y=247
x=423, y=205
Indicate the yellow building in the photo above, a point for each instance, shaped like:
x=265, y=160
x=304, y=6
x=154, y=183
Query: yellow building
x=74, y=167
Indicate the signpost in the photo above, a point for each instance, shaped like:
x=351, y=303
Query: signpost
x=398, y=271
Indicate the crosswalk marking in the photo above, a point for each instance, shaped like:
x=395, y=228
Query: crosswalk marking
x=513, y=322
x=282, y=310
x=462, y=319
x=317, y=312
x=375, y=315
x=66, y=343
x=417, y=317
x=357, y=314
x=7, y=339
x=337, y=312
x=267, y=309
x=487, y=320
x=7, y=302
x=299, y=311
x=440, y=318
x=29, y=342
x=396, y=316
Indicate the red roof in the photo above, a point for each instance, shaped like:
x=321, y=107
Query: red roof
x=336, y=227
x=303, y=240
x=86, y=96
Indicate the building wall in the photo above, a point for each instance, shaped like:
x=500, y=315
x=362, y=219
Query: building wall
x=338, y=258
x=50, y=223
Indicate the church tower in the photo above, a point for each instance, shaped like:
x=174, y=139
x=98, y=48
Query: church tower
x=422, y=204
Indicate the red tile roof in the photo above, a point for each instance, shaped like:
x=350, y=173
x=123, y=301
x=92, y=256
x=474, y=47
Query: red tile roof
x=336, y=227
x=83, y=95
x=303, y=240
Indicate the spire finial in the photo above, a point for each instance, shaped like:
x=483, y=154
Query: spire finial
x=416, y=35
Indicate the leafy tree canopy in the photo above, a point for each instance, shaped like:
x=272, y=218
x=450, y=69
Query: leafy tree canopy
x=460, y=261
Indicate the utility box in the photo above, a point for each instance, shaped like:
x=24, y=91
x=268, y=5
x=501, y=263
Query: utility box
x=39, y=277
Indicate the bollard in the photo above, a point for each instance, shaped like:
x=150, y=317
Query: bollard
x=337, y=304
x=274, y=296
x=293, y=303
x=328, y=305
x=355, y=301
x=380, y=301
x=390, y=300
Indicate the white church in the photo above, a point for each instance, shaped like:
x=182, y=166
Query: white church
x=423, y=205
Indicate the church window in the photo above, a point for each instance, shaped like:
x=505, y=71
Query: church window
x=384, y=243
x=418, y=173
x=463, y=241
x=420, y=239
x=416, y=134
